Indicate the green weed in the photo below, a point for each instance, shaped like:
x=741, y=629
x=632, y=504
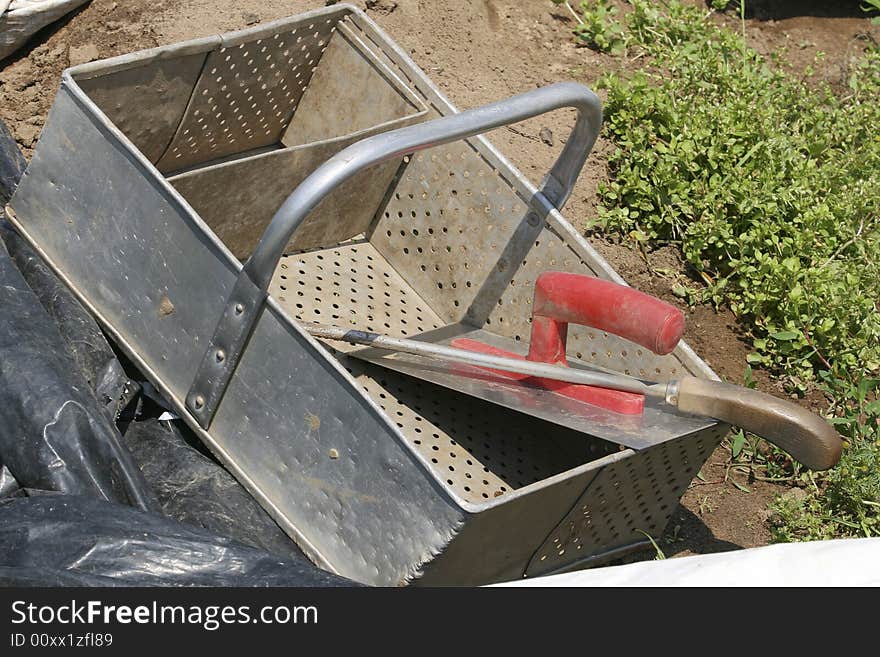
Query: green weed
x=871, y=7
x=770, y=185
x=597, y=25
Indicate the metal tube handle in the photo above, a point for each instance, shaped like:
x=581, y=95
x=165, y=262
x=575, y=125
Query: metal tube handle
x=556, y=187
x=250, y=291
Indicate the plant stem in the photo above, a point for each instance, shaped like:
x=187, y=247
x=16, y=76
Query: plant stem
x=815, y=349
x=845, y=245
x=573, y=12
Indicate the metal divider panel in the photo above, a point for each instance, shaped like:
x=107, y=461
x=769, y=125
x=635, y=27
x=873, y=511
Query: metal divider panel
x=247, y=94
x=480, y=450
x=147, y=100
x=634, y=495
x=238, y=198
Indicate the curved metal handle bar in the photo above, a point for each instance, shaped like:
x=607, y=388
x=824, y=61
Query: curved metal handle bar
x=251, y=287
x=556, y=187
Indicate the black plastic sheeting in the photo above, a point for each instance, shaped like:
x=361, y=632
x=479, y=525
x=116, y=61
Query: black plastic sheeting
x=53, y=435
x=12, y=164
x=81, y=538
x=85, y=342
x=195, y=490
x=94, y=489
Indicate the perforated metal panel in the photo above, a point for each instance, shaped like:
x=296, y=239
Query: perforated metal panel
x=465, y=240
x=481, y=451
x=350, y=285
x=247, y=93
x=634, y=495
x=448, y=226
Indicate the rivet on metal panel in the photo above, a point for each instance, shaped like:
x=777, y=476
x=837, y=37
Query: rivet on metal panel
x=225, y=349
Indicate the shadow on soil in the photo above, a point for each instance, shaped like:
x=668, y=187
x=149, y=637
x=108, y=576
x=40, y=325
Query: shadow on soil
x=764, y=10
x=687, y=532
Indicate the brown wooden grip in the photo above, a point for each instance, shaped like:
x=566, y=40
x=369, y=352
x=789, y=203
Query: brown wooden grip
x=804, y=435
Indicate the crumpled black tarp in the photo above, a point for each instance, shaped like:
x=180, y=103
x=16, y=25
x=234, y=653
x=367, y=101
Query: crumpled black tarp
x=195, y=490
x=53, y=435
x=85, y=342
x=12, y=164
x=43, y=577
x=62, y=540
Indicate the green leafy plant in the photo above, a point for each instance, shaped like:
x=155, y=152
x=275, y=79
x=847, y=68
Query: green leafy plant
x=597, y=25
x=770, y=186
x=847, y=505
x=872, y=6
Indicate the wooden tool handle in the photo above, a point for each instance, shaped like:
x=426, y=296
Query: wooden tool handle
x=804, y=435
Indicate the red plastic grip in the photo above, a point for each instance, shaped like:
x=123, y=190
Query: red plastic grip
x=562, y=298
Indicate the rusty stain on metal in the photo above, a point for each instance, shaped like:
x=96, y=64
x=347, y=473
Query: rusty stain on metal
x=314, y=421
x=165, y=306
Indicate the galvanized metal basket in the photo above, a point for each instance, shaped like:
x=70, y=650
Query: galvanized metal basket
x=158, y=173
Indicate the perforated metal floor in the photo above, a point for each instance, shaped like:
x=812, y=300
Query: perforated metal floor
x=481, y=450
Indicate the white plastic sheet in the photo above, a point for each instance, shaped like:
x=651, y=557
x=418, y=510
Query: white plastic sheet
x=844, y=562
x=21, y=19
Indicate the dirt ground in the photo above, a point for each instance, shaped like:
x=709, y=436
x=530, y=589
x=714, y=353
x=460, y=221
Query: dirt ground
x=478, y=51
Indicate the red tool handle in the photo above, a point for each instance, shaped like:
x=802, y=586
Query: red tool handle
x=562, y=298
